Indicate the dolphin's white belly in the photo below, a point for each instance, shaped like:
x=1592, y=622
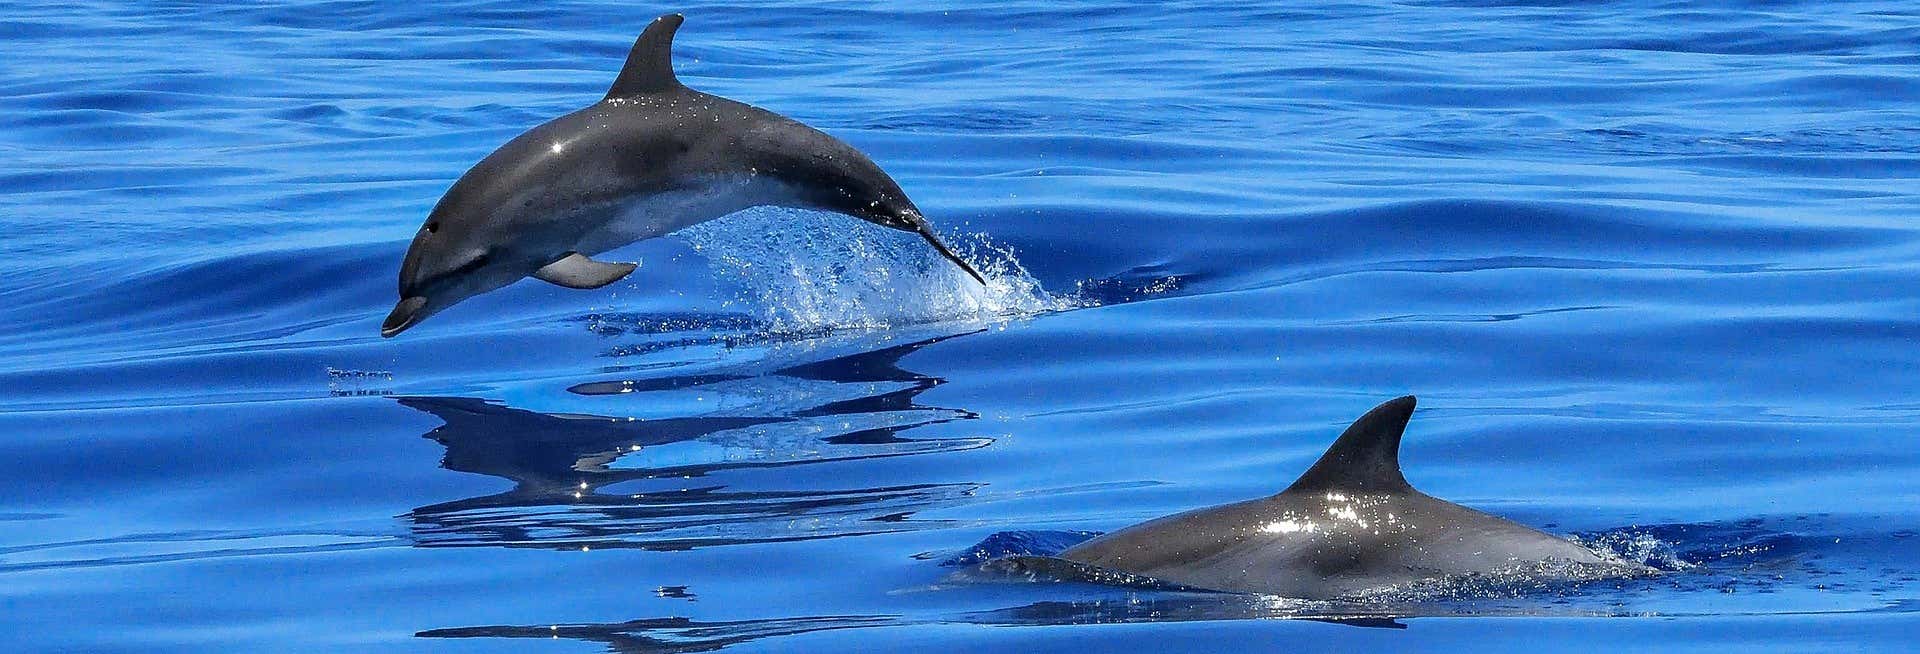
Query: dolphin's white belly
x=647, y=216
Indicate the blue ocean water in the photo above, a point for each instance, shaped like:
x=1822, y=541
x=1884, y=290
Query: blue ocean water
x=1650, y=267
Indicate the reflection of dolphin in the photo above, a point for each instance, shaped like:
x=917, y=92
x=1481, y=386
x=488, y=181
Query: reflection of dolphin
x=679, y=634
x=1350, y=524
x=671, y=635
x=552, y=453
x=651, y=158
x=882, y=365
x=562, y=465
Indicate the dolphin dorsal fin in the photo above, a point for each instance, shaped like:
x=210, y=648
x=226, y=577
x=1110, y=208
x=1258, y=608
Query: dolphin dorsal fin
x=1366, y=457
x=649, y=67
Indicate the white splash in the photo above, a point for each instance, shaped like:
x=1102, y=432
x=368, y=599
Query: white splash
x=803, y=271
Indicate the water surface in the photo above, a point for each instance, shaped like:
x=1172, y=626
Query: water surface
x=1649, y=266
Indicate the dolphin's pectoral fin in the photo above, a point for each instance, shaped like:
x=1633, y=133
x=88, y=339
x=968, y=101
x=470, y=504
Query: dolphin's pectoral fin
x=1366, y=457
x=577, y=271
x=649, y=67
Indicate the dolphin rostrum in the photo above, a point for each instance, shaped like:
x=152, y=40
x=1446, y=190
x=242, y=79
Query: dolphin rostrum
x=650, y=158
x=1349, y=525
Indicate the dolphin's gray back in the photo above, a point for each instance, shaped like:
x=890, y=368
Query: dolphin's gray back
x=1321, y=547
x=574, y=174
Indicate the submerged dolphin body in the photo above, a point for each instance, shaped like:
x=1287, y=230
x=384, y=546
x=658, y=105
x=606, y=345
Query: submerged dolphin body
x=1349, y=525
x=651, y=158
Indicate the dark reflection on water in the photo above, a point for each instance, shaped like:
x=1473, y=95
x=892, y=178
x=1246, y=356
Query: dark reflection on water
x=583, y=481
x=665, y=635
x=677, y=634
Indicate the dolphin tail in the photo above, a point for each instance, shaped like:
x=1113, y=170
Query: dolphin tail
x=919, y=225
x=927, y=233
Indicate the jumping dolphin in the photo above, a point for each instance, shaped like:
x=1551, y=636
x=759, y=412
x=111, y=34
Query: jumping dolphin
x=650, y=158
x=1350, y=524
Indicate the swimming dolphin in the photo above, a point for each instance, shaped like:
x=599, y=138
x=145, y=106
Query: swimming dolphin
x=650, y=158
x=1350, y=524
